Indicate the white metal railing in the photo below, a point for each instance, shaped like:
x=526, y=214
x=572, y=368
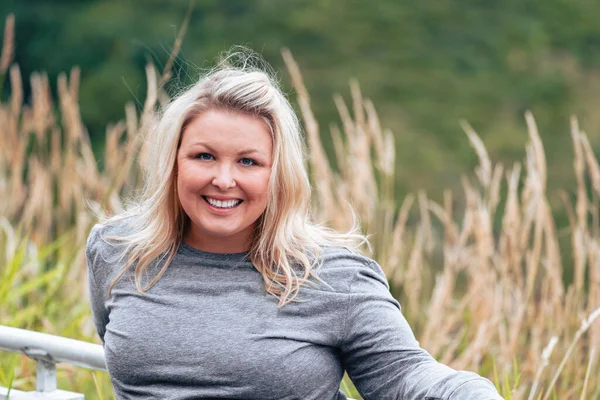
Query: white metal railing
x=48, y=350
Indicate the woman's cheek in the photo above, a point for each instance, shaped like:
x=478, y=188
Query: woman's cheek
x=194, y=178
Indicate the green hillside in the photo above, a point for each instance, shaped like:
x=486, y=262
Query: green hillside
x=426, y=64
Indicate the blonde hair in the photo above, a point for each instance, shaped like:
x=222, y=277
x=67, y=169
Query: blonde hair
x=287, y=244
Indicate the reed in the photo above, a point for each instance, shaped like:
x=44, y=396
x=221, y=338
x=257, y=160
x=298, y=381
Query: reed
x=479, y=274
x=478, y=293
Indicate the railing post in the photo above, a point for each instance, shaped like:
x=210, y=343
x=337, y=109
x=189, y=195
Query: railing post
x=45, y=376
x=45, y=369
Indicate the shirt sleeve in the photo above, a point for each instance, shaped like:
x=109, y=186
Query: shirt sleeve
x=382, y=356
x=97, y=288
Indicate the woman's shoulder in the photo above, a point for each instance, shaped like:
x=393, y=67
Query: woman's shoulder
x=104, y=232
x=344, y=269
x=102, y=246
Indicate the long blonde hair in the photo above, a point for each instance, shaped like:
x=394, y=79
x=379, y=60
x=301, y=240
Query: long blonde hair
x=287, y=244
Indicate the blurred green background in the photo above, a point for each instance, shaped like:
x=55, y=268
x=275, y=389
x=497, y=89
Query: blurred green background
x=426, y=64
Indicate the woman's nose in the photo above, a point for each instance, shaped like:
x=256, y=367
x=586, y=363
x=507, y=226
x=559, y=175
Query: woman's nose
x=223, y=178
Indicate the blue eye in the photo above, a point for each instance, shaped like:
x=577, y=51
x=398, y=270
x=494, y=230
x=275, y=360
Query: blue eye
x=247, y=162
x=204, y=156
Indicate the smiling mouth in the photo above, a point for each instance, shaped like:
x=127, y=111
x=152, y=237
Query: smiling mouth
x=222, y=204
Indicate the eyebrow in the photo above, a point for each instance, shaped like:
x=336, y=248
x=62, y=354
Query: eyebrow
x=241, y=153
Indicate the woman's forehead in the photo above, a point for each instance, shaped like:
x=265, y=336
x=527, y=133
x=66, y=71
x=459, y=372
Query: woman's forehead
x=225, y=129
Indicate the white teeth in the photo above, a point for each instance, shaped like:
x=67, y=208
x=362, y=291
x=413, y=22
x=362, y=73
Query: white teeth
x=222, y=204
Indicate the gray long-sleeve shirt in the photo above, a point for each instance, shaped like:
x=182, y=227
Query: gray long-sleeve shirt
x=209, y=330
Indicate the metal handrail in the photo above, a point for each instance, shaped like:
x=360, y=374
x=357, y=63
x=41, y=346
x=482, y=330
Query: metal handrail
x=51, y=348
x=48, y=350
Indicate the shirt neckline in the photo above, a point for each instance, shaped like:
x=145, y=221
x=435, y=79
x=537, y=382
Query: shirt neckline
x=239, y=257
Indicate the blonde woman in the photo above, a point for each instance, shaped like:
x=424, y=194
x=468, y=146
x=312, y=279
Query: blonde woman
x=217, y=285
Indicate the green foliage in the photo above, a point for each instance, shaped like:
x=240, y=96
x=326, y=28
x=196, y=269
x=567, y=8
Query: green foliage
x=507, y=385
x=40, y=289
x=427, y=64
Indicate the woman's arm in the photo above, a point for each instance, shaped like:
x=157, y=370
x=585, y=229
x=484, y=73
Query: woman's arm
x=382, y=356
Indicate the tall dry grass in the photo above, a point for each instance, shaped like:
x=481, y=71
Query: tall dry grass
x=479, y=275
x=481, y=296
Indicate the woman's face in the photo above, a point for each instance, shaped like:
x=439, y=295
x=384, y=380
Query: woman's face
x=223, y=170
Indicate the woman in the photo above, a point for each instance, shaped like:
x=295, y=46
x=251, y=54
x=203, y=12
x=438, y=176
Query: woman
x=217, y=285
